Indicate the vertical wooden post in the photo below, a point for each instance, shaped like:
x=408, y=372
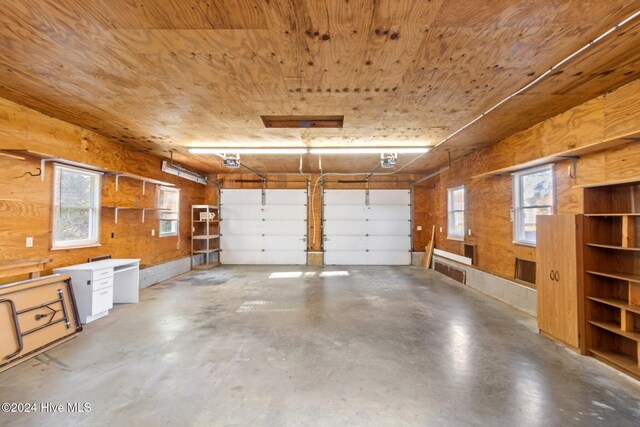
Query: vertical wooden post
x=626, y=321
x=628, y=232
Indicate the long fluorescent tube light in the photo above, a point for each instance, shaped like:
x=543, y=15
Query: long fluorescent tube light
x=369, y=150
x=245, y=150
x=177, y=170
x=291, y=150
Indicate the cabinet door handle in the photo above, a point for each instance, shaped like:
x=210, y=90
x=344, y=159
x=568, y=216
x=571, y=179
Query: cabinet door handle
x=551, y=275
x=104, y=293
x=556, y=276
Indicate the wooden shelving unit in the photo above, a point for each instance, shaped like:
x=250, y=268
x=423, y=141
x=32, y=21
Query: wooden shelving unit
x=205, y=235
x=612, y=275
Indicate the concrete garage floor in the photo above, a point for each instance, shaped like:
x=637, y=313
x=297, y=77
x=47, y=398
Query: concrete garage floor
x=289, y=346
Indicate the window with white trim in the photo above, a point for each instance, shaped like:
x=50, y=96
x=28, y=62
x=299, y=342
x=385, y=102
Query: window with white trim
x=169, y=215
x=455, y=213
x=532, y=196
x=76, y=207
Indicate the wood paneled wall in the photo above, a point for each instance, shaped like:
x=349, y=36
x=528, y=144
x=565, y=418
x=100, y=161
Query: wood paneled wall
x=26, y=201
x=614, y=115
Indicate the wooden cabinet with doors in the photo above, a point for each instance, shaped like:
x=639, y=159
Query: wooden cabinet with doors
x=558, y=261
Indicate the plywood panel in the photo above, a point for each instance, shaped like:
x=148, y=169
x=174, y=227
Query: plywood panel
x=25, y=201
x=160, y=75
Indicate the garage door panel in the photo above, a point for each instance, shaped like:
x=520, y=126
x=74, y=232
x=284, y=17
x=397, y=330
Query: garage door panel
x=344, y=212
x=344, y=197
x=388, y=228
x=378, y=234
x=388, y=243
x=345, y=243
x=241, y=212
x=346, y=258
x=273, y=233
x=242, y=227
x=240, y=243
x=389, y=257
x=286, y=197
x=275, y=243
x=284, y=257
x=390, y=197
x=388, y=212
x=241, y=257
x=283, y=212
x=286, y=228
x=346, y=228
x=241, y=197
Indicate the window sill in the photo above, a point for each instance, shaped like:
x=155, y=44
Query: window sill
x=531, y=245
x=456, y=238
x=168, y=235
x=64, y=248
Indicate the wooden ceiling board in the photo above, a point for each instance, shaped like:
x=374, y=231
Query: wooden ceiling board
x=160, y=75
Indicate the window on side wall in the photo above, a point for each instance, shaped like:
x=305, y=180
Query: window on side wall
x=532, y=196
x=455, y=213
x=76, y=207
x=169, y=203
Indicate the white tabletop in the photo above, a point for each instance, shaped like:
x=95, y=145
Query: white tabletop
x=96, y=265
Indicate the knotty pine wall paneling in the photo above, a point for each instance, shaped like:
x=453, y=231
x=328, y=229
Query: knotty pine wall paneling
x=26, y=201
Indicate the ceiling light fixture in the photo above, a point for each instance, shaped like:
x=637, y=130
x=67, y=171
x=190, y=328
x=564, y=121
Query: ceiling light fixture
x=246, y=150
x=177, y=170
x=369, y=150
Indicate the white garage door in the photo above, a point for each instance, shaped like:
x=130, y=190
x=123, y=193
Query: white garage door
x=273, y=233
x=359, y=234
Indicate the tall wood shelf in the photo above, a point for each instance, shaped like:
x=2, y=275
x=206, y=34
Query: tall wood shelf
x=205, y=235
x=612, y=275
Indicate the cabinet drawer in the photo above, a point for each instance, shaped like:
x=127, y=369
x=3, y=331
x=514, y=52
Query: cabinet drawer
x=102, y=283
x=102, y=300
x=102, y=274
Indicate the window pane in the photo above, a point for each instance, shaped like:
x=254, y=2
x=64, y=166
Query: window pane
x=169, y=199
x=458, y=223
x=168, y=226
x=73, y=224
x=76, y=207
x=458, y=199
x=536, y=189
x=528, y=232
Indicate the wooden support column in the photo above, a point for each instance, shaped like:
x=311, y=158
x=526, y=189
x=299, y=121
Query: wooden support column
x=628, y=232
x=626, y=321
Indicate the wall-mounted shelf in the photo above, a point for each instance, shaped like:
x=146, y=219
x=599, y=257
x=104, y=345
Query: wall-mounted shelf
x=128, y=208
x=44, y=158
x=563, y=155
x=135, y=177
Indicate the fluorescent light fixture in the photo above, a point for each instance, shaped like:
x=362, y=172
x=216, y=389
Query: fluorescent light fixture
x=177, y=170
x=246, y=150
x=294, y=150
x=369, y=150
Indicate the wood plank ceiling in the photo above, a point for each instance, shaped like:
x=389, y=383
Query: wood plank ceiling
x=161, y=75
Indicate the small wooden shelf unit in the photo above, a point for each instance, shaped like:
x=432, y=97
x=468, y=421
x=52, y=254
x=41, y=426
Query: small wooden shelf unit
x=612, y=275
x=205, y=235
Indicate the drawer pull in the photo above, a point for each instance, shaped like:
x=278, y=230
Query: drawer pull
x=104, y=293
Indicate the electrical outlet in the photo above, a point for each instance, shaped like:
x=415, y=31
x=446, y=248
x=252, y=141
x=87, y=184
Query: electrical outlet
x=469, y=232
x=29, y=242
x=441, y=229
x=153, y=232
x=113, y=234
x=419, y=228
